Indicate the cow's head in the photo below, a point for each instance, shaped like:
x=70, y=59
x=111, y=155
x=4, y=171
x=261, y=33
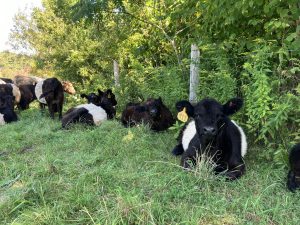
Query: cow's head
x=210, y=115
x=153, y=106
x=108, y=102
x=91, y=98
x=108, y=94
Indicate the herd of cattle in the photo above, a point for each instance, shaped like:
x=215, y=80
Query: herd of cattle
x=208, y=128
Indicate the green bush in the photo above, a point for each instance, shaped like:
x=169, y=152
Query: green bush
x=141, y=83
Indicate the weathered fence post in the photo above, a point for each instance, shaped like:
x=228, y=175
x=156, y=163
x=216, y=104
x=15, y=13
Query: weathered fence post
x=194, y=73
x=116, y=73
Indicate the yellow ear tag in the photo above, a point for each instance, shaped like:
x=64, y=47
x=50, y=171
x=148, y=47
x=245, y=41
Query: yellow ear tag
x=182, y=116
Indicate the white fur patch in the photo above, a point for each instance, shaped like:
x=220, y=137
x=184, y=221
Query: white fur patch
x=2, y=121
x=188, y=134
x=97, y=112
x=2, y=82
x=16, y=93
x=39, y=91
x=243, y=139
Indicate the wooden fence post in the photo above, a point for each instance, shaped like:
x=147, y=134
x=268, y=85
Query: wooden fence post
x=194, y=73
x=116, y=73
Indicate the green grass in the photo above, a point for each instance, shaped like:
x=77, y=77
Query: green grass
x=113, y=175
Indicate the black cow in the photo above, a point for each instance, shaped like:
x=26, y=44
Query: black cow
x=293, y=179
x=27, y=95
x=212, y=132
x=12, y=90
x=152, y=112
x=50, y=92
x=7, y=113
x=96, y=99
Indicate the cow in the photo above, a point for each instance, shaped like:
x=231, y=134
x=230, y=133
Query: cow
x=152, y=112
x=5, y=80
x=50, y=92
x=211, y=131
x=12, y=90
x=92, y=113
x=7, y=113
x=26, y=80
x=68, y=87
x=293, y=178
x=27, y=96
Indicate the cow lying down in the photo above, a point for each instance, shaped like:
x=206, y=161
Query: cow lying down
x=152, y=112
x=293, y=179
x=7, y=113
x=211, y=131
x=92, y=113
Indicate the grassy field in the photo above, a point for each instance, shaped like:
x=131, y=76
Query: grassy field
x=113, y=175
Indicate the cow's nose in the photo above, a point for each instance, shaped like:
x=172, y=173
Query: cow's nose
x=209, y=130
x=153, y=112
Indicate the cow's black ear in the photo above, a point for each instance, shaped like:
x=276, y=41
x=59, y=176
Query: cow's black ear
x=187, y=105
x=109, y=91
x=159, y=99
x=232, y=106
x=83, y=96
x=100, y=92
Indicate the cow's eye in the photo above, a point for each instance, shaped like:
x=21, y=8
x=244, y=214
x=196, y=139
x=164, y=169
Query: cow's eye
x=219, y=115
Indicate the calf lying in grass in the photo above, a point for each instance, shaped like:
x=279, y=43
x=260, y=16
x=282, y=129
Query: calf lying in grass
x=293, y=181
x=92, y=113
x=212, y=132
x=12, y=90
x=152, y=112
x=7, y=113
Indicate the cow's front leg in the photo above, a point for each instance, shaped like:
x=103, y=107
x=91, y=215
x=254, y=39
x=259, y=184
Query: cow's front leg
x=189, y=159
x=236, y=170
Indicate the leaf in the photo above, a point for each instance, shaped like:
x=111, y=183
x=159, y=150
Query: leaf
x=291, y=37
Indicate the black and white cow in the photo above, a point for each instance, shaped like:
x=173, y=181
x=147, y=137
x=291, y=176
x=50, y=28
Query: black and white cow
x=7, y=113
x=92, y=113
x=12, y=90
x=6, y=80
x=50, y=92
x=212, y=132
x=293, y=178
x=27, y=95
